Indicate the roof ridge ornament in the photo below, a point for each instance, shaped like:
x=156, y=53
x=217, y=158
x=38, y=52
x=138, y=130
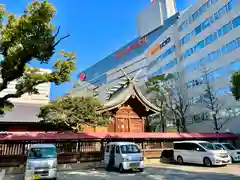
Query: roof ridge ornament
x=122, y=83
x=128, y=78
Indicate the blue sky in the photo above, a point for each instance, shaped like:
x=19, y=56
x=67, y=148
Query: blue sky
x=97, y=28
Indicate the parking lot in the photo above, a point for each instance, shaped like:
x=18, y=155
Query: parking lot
x=156, y=172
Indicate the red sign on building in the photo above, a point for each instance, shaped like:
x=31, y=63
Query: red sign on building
x=131, y=47
x=82, y=76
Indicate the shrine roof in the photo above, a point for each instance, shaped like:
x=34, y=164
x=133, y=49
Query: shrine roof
x=22, y=113
x=123, y=93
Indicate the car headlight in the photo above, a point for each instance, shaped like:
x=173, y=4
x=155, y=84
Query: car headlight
x=126, y=159
x=29, y=167
x=54, y=165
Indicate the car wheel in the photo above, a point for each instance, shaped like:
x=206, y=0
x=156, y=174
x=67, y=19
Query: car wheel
x=207, y=162
x=121, y=170
x=180, y=160
x=141, y=169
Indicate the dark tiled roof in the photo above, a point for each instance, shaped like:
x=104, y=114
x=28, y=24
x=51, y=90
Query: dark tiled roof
x=22, y=113
x=121, y=96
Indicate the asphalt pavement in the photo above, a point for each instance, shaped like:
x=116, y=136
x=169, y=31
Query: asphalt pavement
x=157, y=172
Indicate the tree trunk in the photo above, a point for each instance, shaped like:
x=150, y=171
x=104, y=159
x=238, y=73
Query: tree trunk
x=163, y=127
x=216, y=128
x=183, y=123
x=178, y=126
x=163, y=123
x=147, y=125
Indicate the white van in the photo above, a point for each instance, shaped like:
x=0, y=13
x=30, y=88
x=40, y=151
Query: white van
x=200, y=152
x=124, y=156
x=41, y=162
x=232, y=151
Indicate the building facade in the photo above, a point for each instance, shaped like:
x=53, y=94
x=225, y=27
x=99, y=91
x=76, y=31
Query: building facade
x=202, y=40
x=42, y=98
x=23, y=117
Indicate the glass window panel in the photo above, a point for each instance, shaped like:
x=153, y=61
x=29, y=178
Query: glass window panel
x=238, y=42
x=223, y=50
x=200, y=45
x=203, y=8
x=195, y=15
x=231, y=5
x=216, y=16
x=222, y=11
x=213, y=1
x=227, y=28
x=207, y=23
x=198, y=29
x=231, y=46
x=209, y=39
x=236, y=22
x=220, y=32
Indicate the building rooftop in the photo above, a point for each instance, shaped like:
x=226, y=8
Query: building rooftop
x=22, y=113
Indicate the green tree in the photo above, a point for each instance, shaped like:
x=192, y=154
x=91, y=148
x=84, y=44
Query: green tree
x=158, y=93
x=30, y=37
x=73, y=112
x=236, y=85
x=170, y=100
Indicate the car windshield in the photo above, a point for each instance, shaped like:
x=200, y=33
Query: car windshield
x=130, y=148
x=229, y=146
x=210, y=146
x=38, y=153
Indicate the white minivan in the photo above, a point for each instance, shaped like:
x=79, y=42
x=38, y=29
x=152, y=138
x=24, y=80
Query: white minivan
x=232, y=151
x=123, y=156
x=200, y=152
x=41, y=162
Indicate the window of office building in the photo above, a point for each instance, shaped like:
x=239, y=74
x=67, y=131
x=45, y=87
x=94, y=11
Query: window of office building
x=226, y=70
x=220, y=13
x=196, y=14
x=164, y=68
x=203, y=43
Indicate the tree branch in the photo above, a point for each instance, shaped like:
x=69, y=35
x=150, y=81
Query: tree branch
x=19, y=93
x=62, y=38
x=58, y=30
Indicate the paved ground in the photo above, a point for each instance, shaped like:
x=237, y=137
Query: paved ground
x=157, y=172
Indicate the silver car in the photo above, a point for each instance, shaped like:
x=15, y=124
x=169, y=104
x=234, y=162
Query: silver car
x=41, y=162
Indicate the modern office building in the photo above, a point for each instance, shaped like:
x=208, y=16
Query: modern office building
x=203, y=37
x=23, y=117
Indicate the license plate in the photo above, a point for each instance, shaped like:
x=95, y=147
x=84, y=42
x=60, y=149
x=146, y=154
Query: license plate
x=36, y=177
x=133, y=166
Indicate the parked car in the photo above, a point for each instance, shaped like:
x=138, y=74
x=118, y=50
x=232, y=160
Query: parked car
x=41, y=162
x=123, y=156
x=200, y=152
x=232, y=151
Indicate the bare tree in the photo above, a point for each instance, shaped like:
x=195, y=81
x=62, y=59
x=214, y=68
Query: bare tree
x=170, y=99
x=178, y=107
x=214, y=105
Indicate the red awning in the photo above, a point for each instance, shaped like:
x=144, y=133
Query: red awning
x=14, y=136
